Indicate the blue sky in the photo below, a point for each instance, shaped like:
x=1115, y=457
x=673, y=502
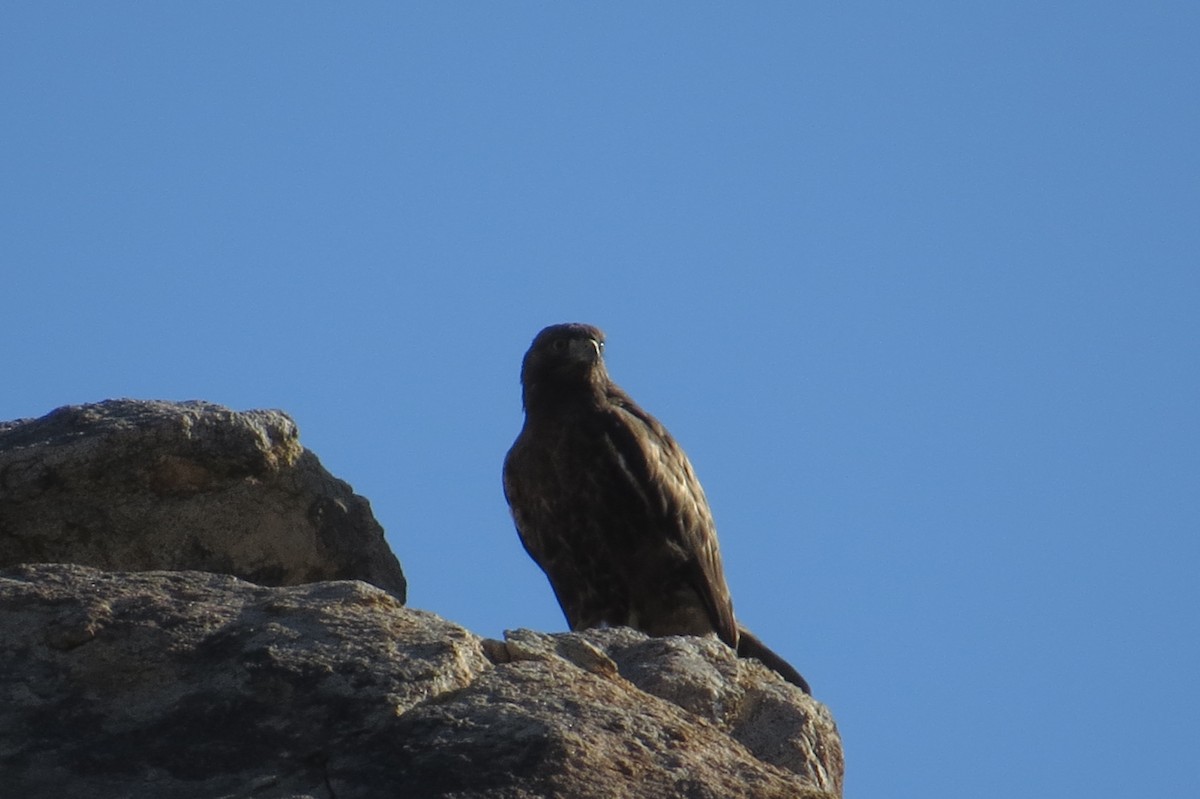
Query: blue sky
x=915, y=285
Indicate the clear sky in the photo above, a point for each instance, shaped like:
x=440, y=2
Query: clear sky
x=916, y=285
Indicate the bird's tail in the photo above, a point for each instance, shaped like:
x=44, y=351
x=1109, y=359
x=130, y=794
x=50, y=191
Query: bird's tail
x=750, y=647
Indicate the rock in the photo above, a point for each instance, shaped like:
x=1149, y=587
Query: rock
x=168, y=676
x=192, y=684
x=775, y=721
x=140, y=485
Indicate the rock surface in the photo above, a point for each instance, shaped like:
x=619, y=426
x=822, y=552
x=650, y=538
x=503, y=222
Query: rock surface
x=192, y=684
x=165, y=676
x=134, y=485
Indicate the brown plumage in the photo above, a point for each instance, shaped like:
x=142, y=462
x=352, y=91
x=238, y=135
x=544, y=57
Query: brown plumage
x=608, y=505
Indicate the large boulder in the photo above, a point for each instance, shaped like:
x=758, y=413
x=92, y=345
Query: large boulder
x=132, y=485
x=192, y=684
x=152, y=670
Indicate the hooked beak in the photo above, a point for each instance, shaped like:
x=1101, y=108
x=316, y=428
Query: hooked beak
x=585, y=350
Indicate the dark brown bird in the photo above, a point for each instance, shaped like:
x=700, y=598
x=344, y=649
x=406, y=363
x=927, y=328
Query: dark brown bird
x=608, y=505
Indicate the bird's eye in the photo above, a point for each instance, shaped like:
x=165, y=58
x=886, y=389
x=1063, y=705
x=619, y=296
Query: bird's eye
x=559, y=345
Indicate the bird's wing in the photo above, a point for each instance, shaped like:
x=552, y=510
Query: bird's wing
x=528, y=503
x=662, y=475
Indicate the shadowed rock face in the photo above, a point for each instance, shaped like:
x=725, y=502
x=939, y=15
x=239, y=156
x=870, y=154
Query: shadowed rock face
x=198, y=684
x=192, y=684
x=161, y=677
x=132, y=485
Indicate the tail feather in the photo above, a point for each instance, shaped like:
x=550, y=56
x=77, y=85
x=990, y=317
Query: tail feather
x=750, y=647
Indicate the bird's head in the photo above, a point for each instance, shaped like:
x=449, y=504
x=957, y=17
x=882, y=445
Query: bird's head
x=564, y=359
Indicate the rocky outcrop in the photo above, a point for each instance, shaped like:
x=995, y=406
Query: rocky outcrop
x=192, y=684
x=134, y=485
x=164, y=683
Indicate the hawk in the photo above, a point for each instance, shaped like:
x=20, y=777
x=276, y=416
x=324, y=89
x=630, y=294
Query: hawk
x=609, y=507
